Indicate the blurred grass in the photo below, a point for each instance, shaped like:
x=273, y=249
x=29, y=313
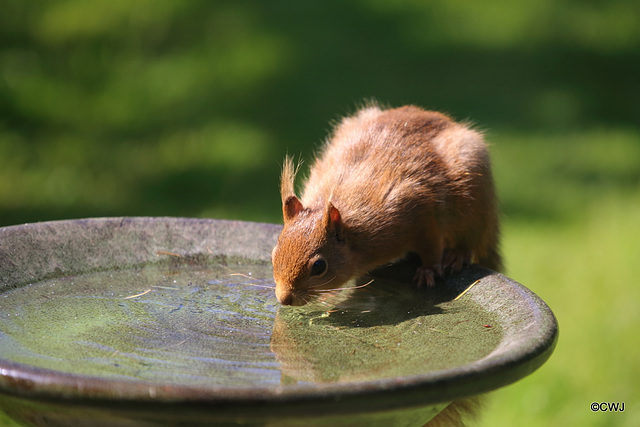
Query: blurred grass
x=187, y=108
x=580, y=256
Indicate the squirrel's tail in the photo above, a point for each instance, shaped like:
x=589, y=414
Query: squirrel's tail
x=492, y=259
x=459, y=413
x=488, y=255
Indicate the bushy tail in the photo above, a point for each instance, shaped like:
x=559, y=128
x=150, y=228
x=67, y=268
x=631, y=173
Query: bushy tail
x=459, y=413
x=492, y=259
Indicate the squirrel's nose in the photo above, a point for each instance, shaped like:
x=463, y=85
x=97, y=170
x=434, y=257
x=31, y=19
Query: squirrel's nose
x=284, y=295
x=286, y=299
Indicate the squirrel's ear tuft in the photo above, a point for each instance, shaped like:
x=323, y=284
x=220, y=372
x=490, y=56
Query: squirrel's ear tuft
x=287, y=179
x=291, y=208
x=333, y=221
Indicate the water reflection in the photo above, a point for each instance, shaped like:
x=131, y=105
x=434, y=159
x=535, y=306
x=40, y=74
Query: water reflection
x=385, y=330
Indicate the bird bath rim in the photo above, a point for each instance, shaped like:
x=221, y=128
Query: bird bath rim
x=33, y=252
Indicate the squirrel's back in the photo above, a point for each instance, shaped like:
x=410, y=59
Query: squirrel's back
x=386, y=169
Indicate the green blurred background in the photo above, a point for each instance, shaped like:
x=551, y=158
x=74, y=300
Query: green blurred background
x=186, y=108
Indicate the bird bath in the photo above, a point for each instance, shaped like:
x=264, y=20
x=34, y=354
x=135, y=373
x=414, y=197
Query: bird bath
x=173, y=321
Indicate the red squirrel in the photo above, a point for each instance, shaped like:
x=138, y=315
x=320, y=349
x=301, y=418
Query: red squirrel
x=387, y=182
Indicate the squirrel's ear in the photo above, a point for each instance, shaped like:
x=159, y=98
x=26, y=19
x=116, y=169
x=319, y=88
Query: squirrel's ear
x=290, y=208
x=334, y=221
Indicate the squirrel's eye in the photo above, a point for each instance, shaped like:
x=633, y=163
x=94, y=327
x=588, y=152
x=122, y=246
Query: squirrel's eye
x=318, y=267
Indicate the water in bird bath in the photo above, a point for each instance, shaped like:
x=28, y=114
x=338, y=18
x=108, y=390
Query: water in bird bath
x=218, y=323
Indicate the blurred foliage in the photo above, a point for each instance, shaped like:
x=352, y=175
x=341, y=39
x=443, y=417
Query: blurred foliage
x=187, y=108
x=174, y=107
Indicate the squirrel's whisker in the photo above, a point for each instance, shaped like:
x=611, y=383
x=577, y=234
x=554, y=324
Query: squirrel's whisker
x=323, y=284
x=346, y=288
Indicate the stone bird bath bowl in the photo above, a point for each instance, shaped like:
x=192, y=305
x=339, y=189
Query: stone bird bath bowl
x=171, y=321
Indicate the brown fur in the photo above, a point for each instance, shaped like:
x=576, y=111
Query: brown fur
x=459, y=413
x=388, y=182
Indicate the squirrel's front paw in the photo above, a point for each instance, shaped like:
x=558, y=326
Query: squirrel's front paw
x=455, y=259
x=425, y=276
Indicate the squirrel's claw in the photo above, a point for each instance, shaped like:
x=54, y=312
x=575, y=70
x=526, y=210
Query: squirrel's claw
x=425, y=276
x=455, y=259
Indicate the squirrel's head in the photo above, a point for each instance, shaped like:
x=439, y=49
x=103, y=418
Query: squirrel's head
x=311, y=255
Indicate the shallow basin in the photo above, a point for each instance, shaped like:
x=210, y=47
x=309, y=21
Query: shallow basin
x=174, y=321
